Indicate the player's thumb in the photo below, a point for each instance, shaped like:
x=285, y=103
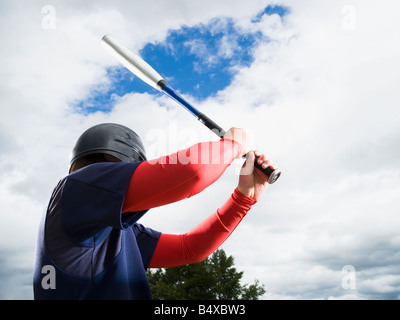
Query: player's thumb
x=248, y=165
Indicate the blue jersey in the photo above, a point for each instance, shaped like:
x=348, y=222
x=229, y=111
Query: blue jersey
x=86, y=248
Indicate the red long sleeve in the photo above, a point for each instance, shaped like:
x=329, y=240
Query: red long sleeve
x=200, y=242
x=180, y=175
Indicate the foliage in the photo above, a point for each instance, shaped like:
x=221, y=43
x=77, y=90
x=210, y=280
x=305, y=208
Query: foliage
x=215, y=278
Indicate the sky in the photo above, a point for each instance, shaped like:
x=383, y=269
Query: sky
x=315, y=84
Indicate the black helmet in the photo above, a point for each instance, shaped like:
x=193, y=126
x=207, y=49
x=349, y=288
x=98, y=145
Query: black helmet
x=110, y=138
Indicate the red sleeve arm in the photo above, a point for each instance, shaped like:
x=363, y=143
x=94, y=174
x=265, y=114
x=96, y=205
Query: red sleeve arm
x=180, y=175
x=200, y=242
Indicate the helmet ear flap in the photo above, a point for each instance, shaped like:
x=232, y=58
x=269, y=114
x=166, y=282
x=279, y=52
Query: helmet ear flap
x=114, y=141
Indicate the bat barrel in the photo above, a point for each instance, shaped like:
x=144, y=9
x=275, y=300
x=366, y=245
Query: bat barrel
x=132, y=62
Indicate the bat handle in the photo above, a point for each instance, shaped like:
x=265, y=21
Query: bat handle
x=272, y=174
x=210, y=124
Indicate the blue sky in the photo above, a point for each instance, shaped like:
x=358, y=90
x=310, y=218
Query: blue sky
x=198, y=60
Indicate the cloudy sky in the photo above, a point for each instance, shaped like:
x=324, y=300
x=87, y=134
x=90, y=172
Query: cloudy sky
x=316, y=84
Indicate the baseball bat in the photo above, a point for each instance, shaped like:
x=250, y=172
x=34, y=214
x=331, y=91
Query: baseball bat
x=145, y=72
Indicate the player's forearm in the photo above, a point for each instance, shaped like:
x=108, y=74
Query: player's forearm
x=200, y=242
x=180, y=175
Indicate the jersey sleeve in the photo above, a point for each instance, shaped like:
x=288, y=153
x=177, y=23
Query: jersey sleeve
x=197, y=244
x=92, y=201
x=180, y=175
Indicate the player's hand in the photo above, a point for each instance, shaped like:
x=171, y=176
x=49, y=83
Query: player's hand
x=240, y=136
x=253, y=182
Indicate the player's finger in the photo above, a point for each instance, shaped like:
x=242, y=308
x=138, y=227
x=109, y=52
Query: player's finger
x=264, y=161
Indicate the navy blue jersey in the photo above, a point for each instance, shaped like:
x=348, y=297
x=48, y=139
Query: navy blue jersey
x=86, y=248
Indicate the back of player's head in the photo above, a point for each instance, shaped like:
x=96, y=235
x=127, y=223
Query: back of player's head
x=108, y=142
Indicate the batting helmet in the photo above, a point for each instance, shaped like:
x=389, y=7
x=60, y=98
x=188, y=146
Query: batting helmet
x=110, y=138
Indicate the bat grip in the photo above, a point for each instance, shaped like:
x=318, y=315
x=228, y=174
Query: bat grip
x=272, y=174
x=210, y=124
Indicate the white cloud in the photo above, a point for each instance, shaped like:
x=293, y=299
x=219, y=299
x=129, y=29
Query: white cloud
x=321, y=98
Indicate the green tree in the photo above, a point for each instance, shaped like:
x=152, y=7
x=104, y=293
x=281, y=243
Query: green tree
x=213, y=278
